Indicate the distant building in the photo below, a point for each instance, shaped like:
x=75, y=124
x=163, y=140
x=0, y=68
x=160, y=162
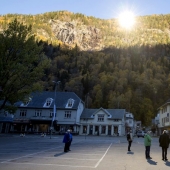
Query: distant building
x=164, y=116
x=36, y=115
x=103, y=122
x=129, y=122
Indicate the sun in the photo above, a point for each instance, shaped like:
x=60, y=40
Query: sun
x=127, y=19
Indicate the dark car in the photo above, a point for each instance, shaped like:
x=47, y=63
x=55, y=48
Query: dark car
x=140, y=134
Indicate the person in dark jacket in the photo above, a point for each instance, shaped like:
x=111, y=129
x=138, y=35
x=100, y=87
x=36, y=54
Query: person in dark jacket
x=71, y=139
x=164, y=143
x=66, y=140
x=129, y=139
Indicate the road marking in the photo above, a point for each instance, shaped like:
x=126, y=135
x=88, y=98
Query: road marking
x=103, y=156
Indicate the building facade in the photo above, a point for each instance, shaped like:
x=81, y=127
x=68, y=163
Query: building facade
x=6, y=121
x=129, y=123
x=102, y=122
x=39, y=114
x=164, y=116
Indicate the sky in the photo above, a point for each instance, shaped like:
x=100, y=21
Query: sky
x=103, y=9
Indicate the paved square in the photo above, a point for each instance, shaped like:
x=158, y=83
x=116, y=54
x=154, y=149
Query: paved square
x=87, y=152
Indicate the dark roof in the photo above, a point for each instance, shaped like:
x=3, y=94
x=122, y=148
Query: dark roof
x=115, y=113
x=39, y=99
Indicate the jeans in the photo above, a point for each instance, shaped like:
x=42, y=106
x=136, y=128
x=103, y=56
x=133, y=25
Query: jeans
x=129, y=145
x=147, y=151
x=164, y=153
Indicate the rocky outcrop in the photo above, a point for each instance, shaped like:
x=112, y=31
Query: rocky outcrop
x=72, y=33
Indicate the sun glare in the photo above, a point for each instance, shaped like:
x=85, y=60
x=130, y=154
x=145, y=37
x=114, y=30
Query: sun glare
x=126, y=19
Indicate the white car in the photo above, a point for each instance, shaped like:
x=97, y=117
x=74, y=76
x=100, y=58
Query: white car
x=140, y=133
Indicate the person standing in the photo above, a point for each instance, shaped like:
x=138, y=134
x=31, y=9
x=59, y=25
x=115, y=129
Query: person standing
x=129, y=139
x=66, y=140
x=71, y=138
x=147, y=143
x=164, y=143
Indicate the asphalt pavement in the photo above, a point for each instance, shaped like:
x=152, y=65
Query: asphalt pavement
x=34, y=152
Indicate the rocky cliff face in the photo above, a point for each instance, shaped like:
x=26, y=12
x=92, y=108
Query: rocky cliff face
x=71, y=33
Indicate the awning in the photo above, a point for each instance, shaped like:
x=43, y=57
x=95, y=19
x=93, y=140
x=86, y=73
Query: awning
x=6, y=119
x=21, y=121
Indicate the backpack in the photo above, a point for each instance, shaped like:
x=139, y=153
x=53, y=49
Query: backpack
x=128, y=136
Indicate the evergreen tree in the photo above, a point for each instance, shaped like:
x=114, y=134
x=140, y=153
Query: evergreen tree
x=22, y=64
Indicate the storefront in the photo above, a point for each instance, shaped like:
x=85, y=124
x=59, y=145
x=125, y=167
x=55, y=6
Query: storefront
x=5, y=124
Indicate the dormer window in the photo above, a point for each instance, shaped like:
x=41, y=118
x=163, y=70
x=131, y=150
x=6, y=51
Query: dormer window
x=109, y=116
x=48, y=102
x=70, y=103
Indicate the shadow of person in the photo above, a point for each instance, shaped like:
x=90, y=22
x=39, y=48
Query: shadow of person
x=59, y=154
x=151, y=162
x=129, y=152
x=167, y=163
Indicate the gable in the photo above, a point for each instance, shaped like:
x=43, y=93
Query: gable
x=111, y=113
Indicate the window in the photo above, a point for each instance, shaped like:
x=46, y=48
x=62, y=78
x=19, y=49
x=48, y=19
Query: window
x=101, y=118
x=164, y=109
x=38, y=113
x=67, y=115
x=51, y=113
x=167, y=119
x=48, y=102
x=23, y=113
x=70, y=103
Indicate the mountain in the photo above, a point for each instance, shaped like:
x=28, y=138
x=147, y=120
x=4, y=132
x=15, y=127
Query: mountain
x=92, y=34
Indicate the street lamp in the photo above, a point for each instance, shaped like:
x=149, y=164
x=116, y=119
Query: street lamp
x=54, y=108
x=86, y=128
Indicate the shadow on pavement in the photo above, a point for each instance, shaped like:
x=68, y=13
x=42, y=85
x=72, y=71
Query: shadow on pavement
x=129, y=152
x=152, y=162
x=167, y=163
x=59, y=154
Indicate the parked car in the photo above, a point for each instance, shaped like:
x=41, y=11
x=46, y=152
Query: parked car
x=140, y=134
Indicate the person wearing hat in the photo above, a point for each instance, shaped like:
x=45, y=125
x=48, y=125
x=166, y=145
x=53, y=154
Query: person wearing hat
x=164, y=143
x=129, y=139
x=147, y=143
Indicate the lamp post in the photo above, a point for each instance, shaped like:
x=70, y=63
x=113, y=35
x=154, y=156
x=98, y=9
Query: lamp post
x=54, y=108
x=86, y=128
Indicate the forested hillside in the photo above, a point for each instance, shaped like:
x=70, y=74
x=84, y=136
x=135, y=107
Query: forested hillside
x=104, y=64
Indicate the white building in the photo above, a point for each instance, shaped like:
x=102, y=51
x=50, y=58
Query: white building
x=102, y=122
x=164, y=116
x=129, y=122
